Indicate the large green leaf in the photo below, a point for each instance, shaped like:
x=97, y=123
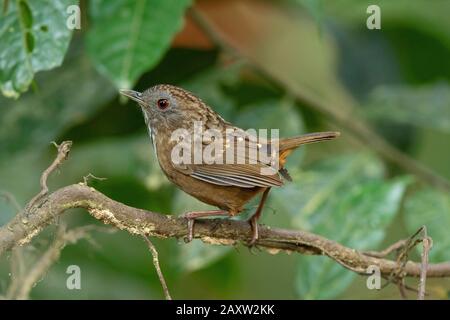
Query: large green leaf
x=358, y=222
x=427, y=106
x=34, y=37
x=129, y=37
x=344, y=199
x=431, y=208
x=330, y=178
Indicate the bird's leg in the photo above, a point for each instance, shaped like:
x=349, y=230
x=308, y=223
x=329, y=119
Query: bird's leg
x=192, y=215
x=255, y=217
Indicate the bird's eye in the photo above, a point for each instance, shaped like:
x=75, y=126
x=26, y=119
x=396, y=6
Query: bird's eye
x=163, y=104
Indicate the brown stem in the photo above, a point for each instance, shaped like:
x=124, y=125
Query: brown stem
x=63, y=153
x=427, y=244
x=154, y=253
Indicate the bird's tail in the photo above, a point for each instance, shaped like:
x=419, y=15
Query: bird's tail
x=287, y=145
x=294, y=142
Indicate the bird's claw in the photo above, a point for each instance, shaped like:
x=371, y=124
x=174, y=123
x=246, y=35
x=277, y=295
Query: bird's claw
x=255, y=234
x=190, y=235
x=190, y=216
x=190, y=226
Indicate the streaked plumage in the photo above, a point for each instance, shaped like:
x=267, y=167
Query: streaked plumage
x=226, y=186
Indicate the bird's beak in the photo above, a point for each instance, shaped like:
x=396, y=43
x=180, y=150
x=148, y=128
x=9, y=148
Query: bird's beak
x=133, y=95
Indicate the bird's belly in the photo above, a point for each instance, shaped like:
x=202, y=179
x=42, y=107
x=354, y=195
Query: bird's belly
x=229, y=198
x=232, y=199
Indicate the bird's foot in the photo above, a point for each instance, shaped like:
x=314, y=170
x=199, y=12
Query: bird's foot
x=192, y=215
x=255, y=217
x=190, y=225
x=255, y=235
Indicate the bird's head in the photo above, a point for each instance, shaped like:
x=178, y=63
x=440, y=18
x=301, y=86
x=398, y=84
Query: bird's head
x=167, y=106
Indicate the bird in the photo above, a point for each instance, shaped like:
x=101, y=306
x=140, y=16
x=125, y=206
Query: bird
x=254, y=167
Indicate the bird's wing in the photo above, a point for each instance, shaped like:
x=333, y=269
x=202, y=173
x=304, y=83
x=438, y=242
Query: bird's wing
x=252, y=165
x=239, y=175
x=248, y=170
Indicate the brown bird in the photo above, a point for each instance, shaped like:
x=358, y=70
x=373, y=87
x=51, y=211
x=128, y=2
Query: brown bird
x=254, y=166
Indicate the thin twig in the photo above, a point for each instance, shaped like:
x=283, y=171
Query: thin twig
x=401, y=289
x=63, y=153
x=154, y=253
x=17, y=272
x=48, y=258
x=10, y=198
x=384, y=253
x=427, y=244
x=91, y=176
x=404, y=247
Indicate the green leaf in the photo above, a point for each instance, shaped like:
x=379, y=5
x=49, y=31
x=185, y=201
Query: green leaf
x=318, y=278
x=344, y=199
x=426, y=106
x=34, y=37
x=195, y=255
x=313, y=188
x=430, y=208
x=359, y=221
x=130, y=37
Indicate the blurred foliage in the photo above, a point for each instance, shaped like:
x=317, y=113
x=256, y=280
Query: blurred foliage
x=345, y=197
x=397, y=78
x=426, y=106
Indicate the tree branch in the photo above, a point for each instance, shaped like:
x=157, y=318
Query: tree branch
x=213, y=231
x=45, y=207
